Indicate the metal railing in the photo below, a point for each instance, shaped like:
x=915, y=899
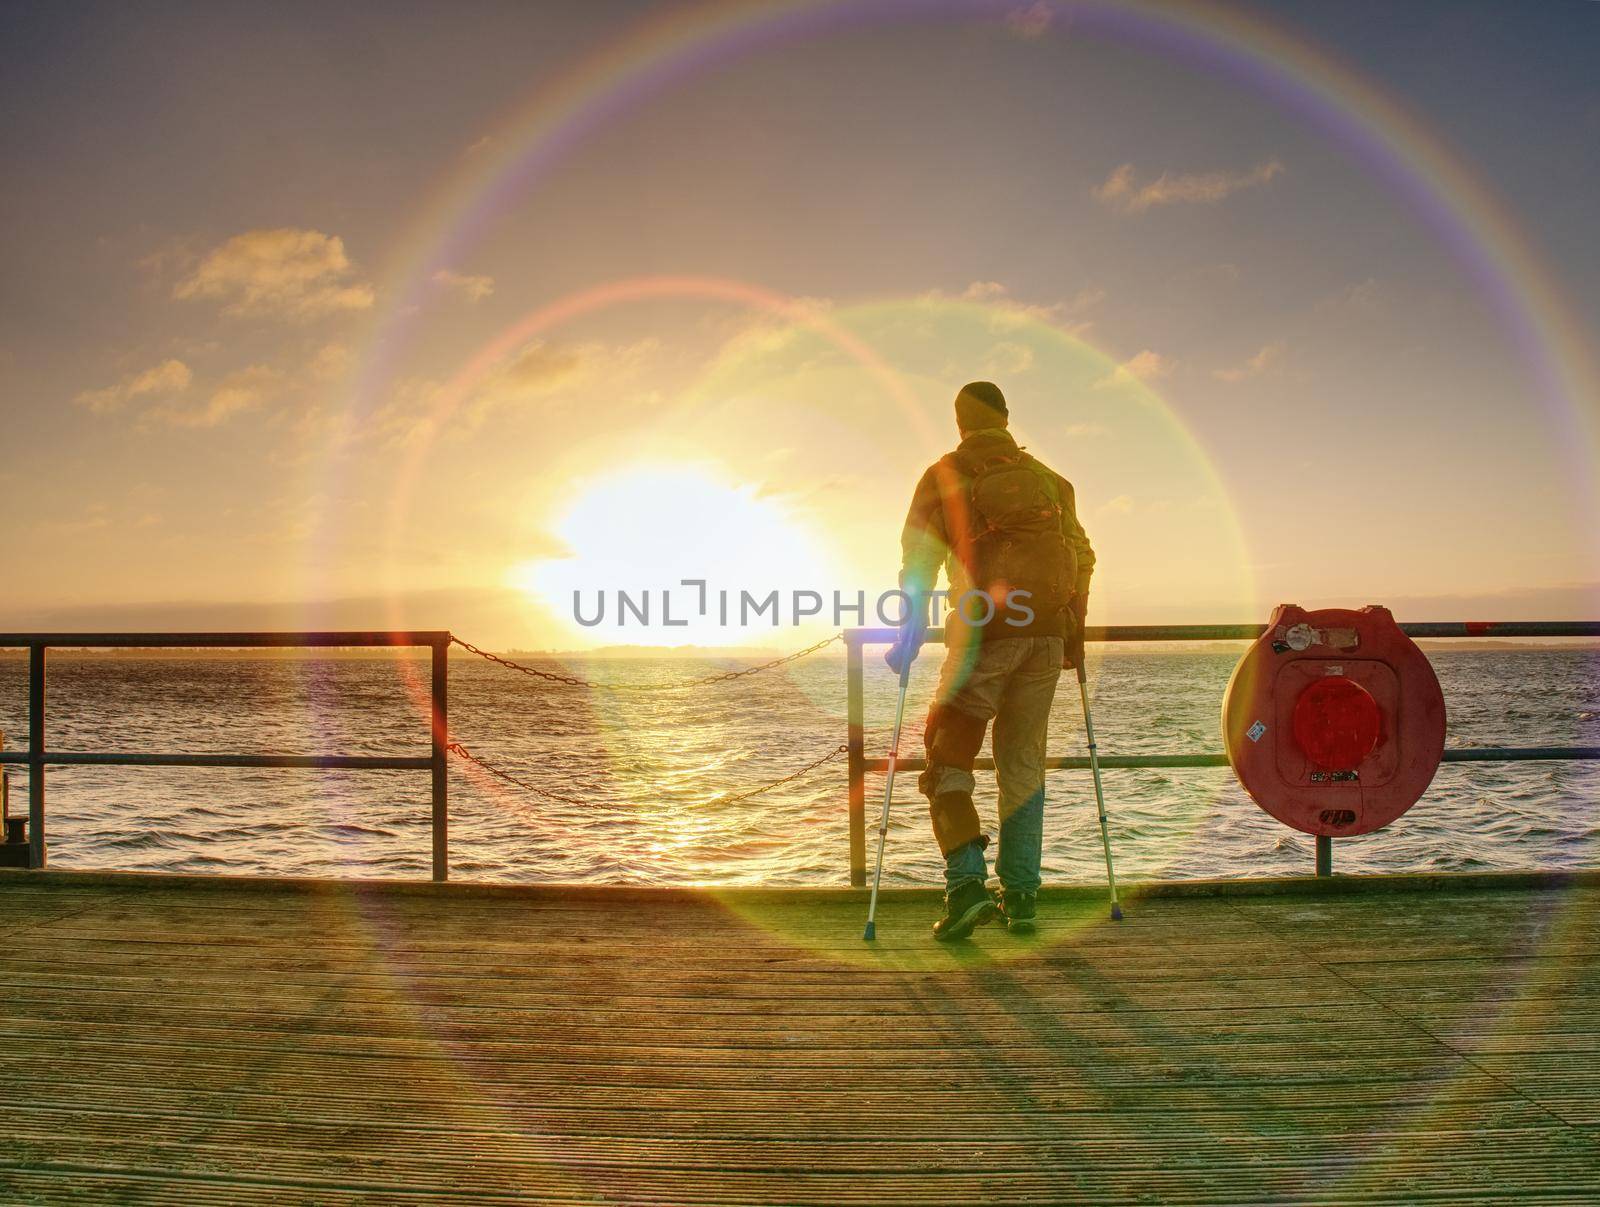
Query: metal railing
x=38, y=756
x=859, y=765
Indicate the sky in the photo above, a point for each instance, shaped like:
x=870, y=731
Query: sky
x=431, y=315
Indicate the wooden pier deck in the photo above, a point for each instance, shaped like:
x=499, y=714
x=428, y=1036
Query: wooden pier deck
x=255, y=1043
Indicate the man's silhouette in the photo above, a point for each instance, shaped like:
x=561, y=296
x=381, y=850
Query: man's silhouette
x=1006, y=529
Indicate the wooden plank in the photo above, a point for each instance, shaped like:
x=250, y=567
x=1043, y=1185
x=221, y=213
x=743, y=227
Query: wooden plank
x=236, y=1044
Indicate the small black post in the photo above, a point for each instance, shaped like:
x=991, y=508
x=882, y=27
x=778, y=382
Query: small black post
x=36, y=850
x=1324, y=855
x=440, y=721
x=856, y=759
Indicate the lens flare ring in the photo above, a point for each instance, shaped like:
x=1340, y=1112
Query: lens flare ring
x=1326, y=95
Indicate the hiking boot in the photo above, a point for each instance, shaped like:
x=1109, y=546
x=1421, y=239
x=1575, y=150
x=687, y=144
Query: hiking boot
x=965, y=909
x=1018, y=911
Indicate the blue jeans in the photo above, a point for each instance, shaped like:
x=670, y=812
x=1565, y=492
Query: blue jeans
x=1011, y=681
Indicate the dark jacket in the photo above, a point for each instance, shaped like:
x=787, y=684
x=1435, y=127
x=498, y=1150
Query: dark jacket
x=937, y=532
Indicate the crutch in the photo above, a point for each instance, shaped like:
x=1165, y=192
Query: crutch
x=1099, y=793
x=888, y=794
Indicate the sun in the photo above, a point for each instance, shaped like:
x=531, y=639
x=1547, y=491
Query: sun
x=646, y=529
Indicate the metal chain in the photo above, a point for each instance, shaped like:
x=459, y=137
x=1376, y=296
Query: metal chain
x=703, y=681
x=456, y=748
x=727, y=799
x=462, y=752
x=726, y=676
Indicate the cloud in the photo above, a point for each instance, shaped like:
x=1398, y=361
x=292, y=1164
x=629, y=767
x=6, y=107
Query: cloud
x=1030, y=21
x=417, y=407
x=176, y=255
x=1223, y=271
x=1121, y=192
x=1085, y=430
x=1086, y=298
x=168, y=378
x=281, y=273
x=1120, y=505
x=535, y=369
x=331, y=363
x=768, y=333
x=1008, y=358
x=983, y=291
x=411, y=413
x=1144, y=366
x=243, y=390
x=1368, y=297
x=1255, y=366
x=1007, y=313
x=472, y=288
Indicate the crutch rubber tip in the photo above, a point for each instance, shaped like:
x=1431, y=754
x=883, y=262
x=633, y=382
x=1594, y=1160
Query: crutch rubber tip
x=1116, y=913
x=870, y=933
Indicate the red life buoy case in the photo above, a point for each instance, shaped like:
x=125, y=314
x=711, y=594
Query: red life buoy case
x=1333, y=720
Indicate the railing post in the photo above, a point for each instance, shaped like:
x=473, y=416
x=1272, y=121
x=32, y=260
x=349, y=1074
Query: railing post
x=36, y=848
x=1324, y=855
x=856, y=759
x=440, y=725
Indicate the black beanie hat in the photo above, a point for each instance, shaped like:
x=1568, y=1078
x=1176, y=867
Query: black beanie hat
x=979, y=405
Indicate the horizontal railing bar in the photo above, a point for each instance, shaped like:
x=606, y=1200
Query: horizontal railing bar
x=344, y=762
x=1521, y=754
x=1114, y=632
x=1504, y=628
x=1249, y=632
x=1075, y=763
x=406, y=637
x=1476, y=754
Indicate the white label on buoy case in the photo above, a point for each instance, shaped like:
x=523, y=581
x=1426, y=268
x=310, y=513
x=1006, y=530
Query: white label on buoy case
x=1255, y=731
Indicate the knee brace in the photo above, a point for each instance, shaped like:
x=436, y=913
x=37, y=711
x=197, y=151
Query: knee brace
x=952, y=738
x=955, y=821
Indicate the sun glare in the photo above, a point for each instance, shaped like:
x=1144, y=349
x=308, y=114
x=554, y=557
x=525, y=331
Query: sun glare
x=645, y=529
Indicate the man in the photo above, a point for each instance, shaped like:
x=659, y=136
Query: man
x=1006, y=529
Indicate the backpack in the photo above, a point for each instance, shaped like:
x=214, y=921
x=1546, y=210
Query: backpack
x=1014, y=510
